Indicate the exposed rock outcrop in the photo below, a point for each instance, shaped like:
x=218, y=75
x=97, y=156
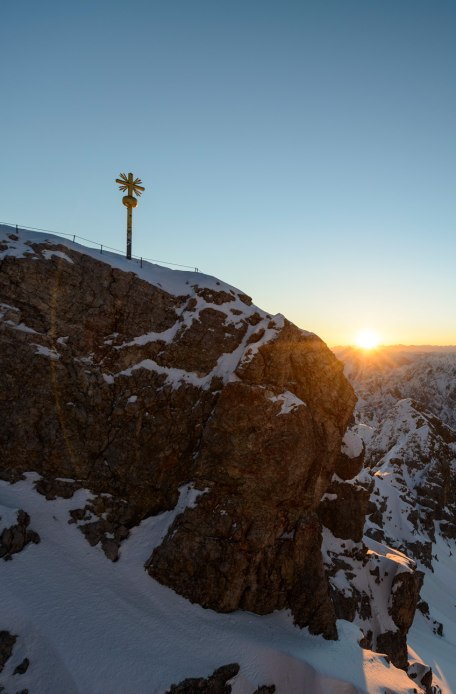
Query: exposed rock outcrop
x=265, y=457
x=371, y=585
x=22, y=668
x=422, y=675
x=377, y=589
x=15, y=533
x=135, y=388
x=343, y=508
x=7, y=642
x=405, y=593
x=412, y=455
x=105, y=520
x=217, y=683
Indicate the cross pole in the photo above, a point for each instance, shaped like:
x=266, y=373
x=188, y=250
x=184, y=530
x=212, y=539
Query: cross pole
x=130, y=185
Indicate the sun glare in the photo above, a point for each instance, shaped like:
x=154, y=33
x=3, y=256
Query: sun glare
x=367, y=339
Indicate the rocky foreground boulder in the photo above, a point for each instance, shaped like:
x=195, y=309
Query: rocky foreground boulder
x=135, y=382
x=15, y=532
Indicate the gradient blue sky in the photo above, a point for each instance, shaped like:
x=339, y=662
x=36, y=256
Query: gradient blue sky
x=303, y=151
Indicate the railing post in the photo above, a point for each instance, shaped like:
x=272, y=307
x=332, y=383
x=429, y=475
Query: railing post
x=74, y=236
x=101, y=248
x=141, y=261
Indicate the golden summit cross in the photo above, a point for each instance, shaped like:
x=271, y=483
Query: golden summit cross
x=131, y=185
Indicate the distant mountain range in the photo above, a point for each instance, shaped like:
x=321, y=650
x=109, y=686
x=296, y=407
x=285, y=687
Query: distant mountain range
x=406, y=416
x=397, y=348
x=383, y=376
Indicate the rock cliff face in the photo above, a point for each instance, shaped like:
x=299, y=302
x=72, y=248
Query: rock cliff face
x=371, y=584
x=412, y=456
x=410, y=463
x=265, y=459
x=134, y=386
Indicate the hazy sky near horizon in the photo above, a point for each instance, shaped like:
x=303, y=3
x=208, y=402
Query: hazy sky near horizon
x=302, y=151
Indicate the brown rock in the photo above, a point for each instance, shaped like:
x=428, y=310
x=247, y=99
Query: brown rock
x=53, y=488
x=7, y=642
x=17, y=536
x=345, y=514
x=422, y=675
x=214, y=297
x=232, y=550
x=111, y=526
x=110, y=548
x=217, y=683
x=405, y=594
x=347, y=468
x=22, y=667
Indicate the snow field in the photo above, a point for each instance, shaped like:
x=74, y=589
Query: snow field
x=90, y=626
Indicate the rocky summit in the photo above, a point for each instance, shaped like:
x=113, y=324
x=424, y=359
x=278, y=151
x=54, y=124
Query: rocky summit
x=134, y=392
x=134, y=386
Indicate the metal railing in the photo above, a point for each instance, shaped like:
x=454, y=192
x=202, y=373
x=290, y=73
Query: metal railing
x=73, y=237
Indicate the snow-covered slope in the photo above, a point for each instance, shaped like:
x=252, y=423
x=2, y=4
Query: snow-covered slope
x=90, y=626
x=383, y=377
x=411, y=454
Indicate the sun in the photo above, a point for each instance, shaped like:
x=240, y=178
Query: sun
x=367, y=339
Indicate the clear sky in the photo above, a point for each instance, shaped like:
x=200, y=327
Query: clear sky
x=304, y=151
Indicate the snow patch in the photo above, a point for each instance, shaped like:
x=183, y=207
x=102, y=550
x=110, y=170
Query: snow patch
x=89, y=625
x=289, y=402
x=44, y=351
x=56, y=254
x=352, y=444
